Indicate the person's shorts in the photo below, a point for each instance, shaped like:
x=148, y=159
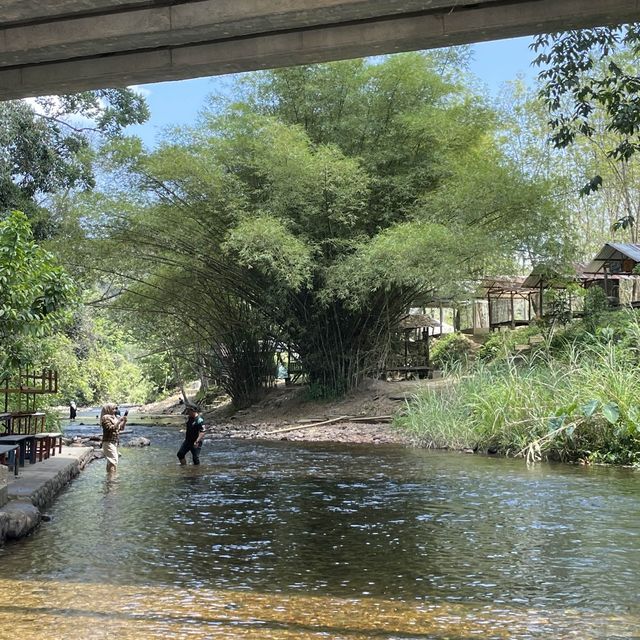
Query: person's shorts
x=110, y=450
x=187, y=447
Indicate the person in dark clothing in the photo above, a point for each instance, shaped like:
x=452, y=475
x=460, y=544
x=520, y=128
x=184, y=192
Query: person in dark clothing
x=193, y=437
x=73, y=410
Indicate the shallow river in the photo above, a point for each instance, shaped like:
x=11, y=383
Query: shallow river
x=282, y=540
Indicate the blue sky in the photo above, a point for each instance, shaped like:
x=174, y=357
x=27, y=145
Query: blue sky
x=178, y=103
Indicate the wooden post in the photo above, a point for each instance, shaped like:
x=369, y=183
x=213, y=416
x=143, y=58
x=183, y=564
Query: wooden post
x=540, y=314
x=513, y=313
x=428, y=350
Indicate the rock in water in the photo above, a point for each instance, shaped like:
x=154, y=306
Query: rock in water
x=138, y=442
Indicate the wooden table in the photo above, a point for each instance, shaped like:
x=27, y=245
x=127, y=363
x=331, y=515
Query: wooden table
x=12, y=452
x=27, y=444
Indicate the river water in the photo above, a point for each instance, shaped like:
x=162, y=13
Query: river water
x=276, y=540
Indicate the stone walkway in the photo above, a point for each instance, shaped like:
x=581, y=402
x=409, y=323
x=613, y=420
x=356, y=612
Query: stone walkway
x=35, y=488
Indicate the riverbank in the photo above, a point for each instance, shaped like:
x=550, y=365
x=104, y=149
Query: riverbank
x=362, y=417
x=35, y=488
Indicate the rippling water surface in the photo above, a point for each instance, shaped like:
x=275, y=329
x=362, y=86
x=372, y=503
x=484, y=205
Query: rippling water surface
x=282, y=540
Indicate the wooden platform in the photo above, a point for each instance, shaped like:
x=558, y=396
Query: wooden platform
x=420, y=370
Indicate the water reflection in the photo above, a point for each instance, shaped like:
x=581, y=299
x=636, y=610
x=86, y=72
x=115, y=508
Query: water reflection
x=282, y=540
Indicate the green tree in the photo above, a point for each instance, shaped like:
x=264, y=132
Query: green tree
x=46, y=146
x=589, y=74
x=35, y=292
x=312, y=213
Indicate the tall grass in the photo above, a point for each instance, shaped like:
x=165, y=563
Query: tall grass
x=583, y=403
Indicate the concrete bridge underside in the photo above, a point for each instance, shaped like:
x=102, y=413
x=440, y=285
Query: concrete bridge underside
x=57, y=46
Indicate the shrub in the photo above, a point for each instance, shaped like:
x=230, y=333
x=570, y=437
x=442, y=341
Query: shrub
x=502, y=344
x=595, y=304
x=586, y=407
x=451, y=350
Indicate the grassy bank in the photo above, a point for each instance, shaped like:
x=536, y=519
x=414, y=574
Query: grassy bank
x=576, y=398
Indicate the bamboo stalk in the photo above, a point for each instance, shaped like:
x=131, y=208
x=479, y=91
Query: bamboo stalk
x=332, y=421
x=306, y=426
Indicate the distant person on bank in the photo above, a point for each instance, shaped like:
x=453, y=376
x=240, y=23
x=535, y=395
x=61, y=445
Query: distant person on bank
x=111, y=425
x=193, y=437
x=73, y=410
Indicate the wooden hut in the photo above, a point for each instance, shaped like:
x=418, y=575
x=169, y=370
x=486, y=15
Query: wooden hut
x=509, y=301
x=613, y=269
x=416, y=329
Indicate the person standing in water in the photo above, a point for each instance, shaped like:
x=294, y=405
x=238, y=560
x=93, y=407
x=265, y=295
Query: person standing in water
x=193, y=437
x=111, y=425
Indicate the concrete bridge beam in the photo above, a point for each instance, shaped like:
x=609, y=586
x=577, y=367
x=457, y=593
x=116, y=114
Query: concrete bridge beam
x=56, y=46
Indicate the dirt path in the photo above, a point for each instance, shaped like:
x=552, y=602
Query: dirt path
x=287, y=407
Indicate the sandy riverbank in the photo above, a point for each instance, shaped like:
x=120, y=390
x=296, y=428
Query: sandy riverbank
x=285, y=414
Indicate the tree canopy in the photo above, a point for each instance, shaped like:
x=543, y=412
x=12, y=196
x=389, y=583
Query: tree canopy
x=310, y=213
x=48, y=148
x=35, y=292
x=590, y=75
x=47, y=144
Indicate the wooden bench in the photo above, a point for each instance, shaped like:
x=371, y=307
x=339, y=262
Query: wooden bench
x=5, y=422
x=46, y=444
x=28, y=423
x=10, y=455
x=419, y=370
x=27, y=444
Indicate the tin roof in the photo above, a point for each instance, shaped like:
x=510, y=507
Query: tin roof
x=612, y=256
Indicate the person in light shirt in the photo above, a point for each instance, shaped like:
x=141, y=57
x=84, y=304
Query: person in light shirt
x=111, y=425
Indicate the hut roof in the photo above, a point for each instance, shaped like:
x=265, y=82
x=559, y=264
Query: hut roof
x=418, y=321
x=543, y=274
x=613, y=256
x=496, y=286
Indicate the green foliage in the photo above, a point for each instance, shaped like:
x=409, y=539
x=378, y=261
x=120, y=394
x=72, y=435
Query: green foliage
x=44, y=150
x=451, y=351
x=595, y=304
x=96, y=363
x=34, y=292
x=587, y=77
x=265, y=243
x=581, y=402
x=310, y=214
x=558, y=306
x=502, y=344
